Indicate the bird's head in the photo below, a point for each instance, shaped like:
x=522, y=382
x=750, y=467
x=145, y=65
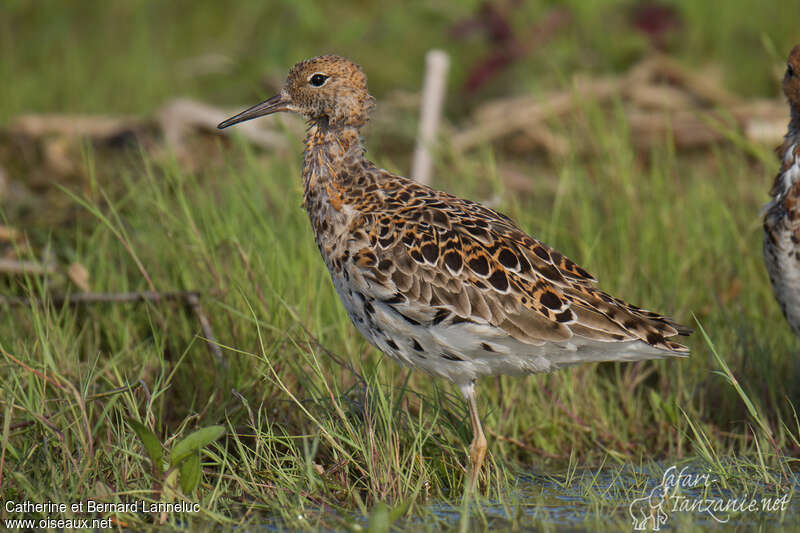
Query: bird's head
x=791, y=81
x=326, y=88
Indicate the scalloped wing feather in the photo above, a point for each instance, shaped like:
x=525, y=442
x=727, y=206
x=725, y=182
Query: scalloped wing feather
x=441, y=259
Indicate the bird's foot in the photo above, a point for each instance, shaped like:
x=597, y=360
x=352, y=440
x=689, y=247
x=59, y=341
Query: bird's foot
x=477, y=452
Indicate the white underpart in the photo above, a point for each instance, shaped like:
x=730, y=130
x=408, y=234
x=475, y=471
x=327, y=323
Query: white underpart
x=792, y=174
x=782, y=262
x=467, y=341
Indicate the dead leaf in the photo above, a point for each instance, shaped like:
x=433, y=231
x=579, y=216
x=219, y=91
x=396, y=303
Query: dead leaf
x=8, y=234
x=79, y=276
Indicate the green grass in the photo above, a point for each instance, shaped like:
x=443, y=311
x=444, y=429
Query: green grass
x=130, y=57
x=321, y=431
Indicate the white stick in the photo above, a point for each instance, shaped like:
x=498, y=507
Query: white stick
x=436, y=65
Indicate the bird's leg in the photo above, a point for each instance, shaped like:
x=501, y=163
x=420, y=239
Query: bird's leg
x=477, y=449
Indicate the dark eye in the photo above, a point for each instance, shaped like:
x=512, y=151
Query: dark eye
x=789, y=71
x=318, y=80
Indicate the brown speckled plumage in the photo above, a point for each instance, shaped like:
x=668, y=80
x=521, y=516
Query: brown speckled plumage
x=782, y=217
x=438, y=282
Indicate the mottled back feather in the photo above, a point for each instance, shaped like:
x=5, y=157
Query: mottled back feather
x=461, y=261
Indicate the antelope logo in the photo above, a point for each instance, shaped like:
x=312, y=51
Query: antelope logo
x=650, y=512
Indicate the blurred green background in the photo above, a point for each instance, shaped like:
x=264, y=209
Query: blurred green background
x=127, y=57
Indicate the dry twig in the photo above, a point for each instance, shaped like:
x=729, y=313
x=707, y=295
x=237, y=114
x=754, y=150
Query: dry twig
x=659, y=96
x=16, y=266
x=211, y=340
x=182, y=115
x=436, y=64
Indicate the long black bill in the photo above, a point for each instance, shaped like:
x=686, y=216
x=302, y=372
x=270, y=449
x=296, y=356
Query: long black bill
x=267, y=107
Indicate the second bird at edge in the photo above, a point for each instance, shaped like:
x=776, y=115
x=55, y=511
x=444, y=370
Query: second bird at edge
x=782, y=213
x=437, y=282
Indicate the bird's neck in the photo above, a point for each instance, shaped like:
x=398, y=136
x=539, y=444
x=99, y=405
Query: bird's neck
x=329, y=151
x=794, y=123
x=789, y=152
x=792, y=138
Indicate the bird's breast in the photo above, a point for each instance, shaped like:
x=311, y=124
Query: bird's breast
x=332, y=221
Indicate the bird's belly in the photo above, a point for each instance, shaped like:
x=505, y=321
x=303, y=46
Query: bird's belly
x=782, y=241
x=425, y=346
x=462, y=352
x=782, y=259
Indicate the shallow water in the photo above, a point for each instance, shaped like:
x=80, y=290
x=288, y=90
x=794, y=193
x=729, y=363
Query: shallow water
x=613, y=498
x=663, y=496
